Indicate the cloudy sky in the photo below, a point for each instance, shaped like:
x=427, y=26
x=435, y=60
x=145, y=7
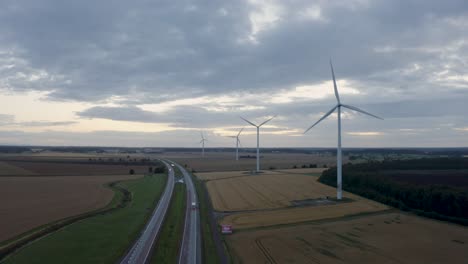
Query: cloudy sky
x=155, y=73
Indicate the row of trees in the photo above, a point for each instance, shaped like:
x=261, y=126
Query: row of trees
x=436, y=201
x=156, y=169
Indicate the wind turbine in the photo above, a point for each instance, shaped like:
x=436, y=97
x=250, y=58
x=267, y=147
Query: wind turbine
x=202, y=141
x=338, y=106
x=237, y=143
x=258, y=137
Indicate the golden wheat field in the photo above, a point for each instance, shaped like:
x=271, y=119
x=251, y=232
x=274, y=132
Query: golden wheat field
x=270, y=190
x=383, y=238
x=300, y=214
x=207, y=176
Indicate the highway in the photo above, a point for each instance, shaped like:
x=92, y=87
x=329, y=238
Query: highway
x=190, y=251
x=140, y=251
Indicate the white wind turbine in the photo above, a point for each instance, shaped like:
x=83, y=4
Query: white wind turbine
x=338, y=151
x=202, y=141
x=237, y=143
x=258, y=138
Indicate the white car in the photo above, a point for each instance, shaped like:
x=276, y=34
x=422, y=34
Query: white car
x=194, y=206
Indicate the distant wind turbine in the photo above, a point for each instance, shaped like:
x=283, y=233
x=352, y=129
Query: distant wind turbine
x=258, y=137
x=202, y=141
x=237, y=143
x=338, y=151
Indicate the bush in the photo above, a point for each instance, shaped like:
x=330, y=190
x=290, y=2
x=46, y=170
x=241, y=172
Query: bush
x=131, y=172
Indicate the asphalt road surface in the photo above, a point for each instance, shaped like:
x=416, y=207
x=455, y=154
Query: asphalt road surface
x=140, y=251
x=190, y=251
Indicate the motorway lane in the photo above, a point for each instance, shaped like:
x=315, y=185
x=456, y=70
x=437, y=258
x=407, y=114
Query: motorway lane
x=190, y=251
x=140, y=251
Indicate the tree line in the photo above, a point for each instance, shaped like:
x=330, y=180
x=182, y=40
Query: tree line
x=441, y=202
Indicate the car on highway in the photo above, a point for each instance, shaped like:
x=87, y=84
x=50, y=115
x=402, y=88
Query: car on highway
x=194, y=206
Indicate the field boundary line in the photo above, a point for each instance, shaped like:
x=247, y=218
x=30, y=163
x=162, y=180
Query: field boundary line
x=321, y=221
x=42, y=231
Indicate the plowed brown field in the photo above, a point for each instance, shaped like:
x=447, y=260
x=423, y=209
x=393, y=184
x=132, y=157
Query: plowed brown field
x=386, y=238
x=9, y=169
x=29, y=202
x=19, y=168
x=225, y=161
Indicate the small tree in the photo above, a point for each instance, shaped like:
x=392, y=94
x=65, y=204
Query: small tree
x=150, y=169
x=131, y=172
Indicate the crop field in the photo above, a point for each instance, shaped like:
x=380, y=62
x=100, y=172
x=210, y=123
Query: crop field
x=102, y=238
x=225, y=161
x=270, y=191
x=207, y=176
x=9, y=169
x=300, y=214
x=382, y=238
x=21, y=168
x=35, y=201
x=317, y=171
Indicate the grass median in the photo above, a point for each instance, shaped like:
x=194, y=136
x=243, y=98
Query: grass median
x=167, y=248
x=102, y=238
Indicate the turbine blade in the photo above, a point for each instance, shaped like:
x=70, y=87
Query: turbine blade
x=361, y=111
x=334, y=83
x=238, y=140
x=248, y=121
x=323, y=117
x=240, y=132
x=268, y=120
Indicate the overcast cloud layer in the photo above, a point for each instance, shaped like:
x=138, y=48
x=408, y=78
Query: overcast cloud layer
x=191, y=65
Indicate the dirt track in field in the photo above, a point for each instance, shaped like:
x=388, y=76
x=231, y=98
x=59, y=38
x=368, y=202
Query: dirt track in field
x=29, y=202
x=385, y=238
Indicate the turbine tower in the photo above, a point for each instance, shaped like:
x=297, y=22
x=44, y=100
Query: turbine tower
x=202, y=141
x=237, y=143
x=338, y=106
x=258, y=138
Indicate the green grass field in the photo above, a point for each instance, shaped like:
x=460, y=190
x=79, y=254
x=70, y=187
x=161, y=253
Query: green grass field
x=166, y=250
x=210, y=255
x=98, y=239
x=120, y=199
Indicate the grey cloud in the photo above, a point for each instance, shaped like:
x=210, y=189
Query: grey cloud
x=187, y=116
x=45, y=123
x=6, y=118
x=10, y=120
x=185, y=48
